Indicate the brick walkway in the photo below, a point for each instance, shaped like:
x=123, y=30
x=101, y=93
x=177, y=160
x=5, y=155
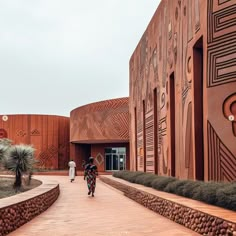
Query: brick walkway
x=108, y=214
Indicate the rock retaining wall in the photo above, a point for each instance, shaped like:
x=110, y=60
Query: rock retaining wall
x=195, y=220
x=14, y=215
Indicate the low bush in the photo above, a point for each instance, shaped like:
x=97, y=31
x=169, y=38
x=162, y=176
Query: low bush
x=145, y=179
x=161, y=182
x=190, y=188
x=215, y=193
x=176, y=187
x=226, y=196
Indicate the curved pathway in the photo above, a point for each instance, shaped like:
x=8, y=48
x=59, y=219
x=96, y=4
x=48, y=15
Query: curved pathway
x=109, y=213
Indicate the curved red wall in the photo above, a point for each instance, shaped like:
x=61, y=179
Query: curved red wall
x=100, y=122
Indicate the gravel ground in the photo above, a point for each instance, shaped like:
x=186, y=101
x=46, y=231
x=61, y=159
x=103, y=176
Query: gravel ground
x=7, y=190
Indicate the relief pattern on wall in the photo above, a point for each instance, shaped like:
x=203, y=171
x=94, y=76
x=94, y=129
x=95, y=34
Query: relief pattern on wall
x=221, y=63
x=222, y=162
x=3, y=133
x=48, y=134
x=149, y=131
x=106, y=120
x=48, y=157
x=221, y=43
x=229, y=111
x=168, y=46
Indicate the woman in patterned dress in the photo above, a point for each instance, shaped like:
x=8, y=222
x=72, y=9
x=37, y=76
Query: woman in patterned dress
x=90, y=174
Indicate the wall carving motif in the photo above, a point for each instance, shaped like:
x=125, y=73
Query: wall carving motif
x=20, y=133
x=222, y=44
x=149, y=126
x=35, y=132
x=162, y=143
x=222, y=163
x=48, y=157
x=197, y=15
x=105, y=120
x=221, y=22
x=189, y=25
x=229, y=111
x=99, y=158
x=140, y=143
x=3, y=133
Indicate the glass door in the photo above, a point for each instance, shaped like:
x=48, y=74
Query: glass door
x=115, y=159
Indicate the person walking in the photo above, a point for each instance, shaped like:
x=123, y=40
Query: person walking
x=72, y=169
x=90, y=174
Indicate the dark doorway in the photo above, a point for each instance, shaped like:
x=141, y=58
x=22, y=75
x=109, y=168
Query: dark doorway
x=155, y=132
x=144, y=138
x=136, y=137
x=172, y=122
x=198, y=108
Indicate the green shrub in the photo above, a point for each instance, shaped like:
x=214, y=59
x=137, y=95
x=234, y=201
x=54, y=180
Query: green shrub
x=176, y=187
x=206, y=192
x=161, y=182
x=145, y=179
x=215, y=193
x=191, y=188
x=127, y=175
x=226, y=197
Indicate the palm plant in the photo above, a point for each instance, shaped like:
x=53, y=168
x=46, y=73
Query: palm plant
x=5, y=141
x=19, y=159
x=4, y=146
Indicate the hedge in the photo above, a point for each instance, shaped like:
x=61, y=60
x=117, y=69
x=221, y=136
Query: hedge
x=215, y=193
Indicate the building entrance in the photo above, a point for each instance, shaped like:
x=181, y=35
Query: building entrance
x=115, y=159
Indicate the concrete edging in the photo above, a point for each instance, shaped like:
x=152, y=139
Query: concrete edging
x=193, y=219
x=21, y=208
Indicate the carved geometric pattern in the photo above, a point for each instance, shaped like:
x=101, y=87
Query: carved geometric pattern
x=45, y=159
x=185, y=93
x=105, y=120
x=221, y=55
x=222, y=65
x=190, y=26
x=197, y=15
x=221, y=23
x=99, y=158
x=149, y=131
x=52, y=149
x=20, y=133
x=35, y=132
x=140, y=143
x=229, y=111
x=222, y=163
x=222, y=1
x=120, y=124
x=3, y=133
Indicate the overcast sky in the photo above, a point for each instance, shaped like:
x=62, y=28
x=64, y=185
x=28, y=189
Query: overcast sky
x=56, y=55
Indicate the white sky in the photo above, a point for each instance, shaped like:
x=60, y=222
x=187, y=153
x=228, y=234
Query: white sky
x=56, y=55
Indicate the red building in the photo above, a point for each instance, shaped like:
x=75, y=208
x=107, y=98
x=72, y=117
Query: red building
x=48, y=134
x=183, y=92
x=101, y=130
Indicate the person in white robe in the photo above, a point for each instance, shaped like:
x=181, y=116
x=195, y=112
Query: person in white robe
x=72, y=169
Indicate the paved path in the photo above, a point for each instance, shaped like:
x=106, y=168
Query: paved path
x=109, y=213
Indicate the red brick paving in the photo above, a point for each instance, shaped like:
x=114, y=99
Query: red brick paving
x=109, y=213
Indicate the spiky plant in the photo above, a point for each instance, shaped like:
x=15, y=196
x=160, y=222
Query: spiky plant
x=5, y=142
x=3, y=150
x=19, y=159
x=4, y=146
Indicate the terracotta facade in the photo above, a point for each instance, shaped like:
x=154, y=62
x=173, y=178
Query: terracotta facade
x=97, y=126
x=48, y=134
x=182, y=92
